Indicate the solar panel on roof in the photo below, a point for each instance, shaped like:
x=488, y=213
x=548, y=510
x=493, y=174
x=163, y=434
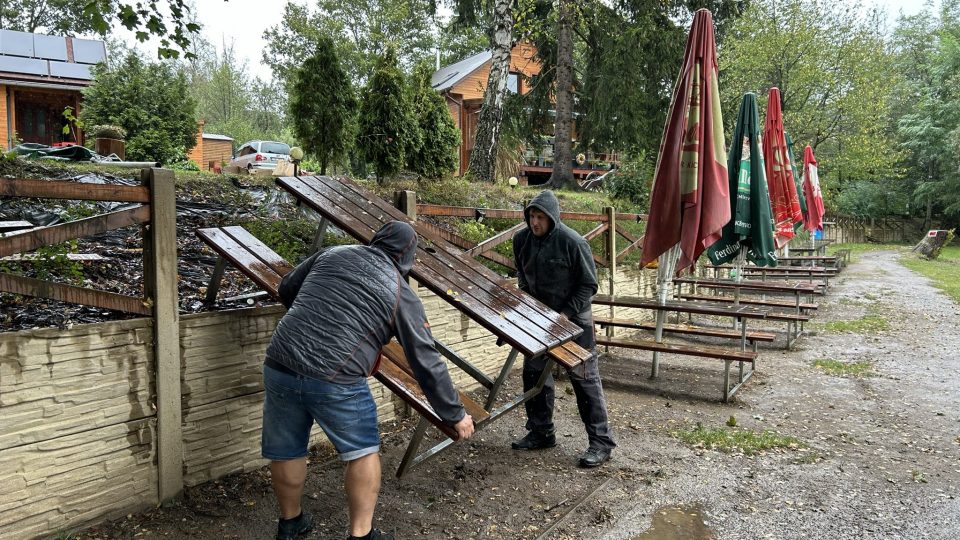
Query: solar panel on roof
x=16, y=43
x=73, y=71
x=50, y=47
x=88, y=51
x=31, y=66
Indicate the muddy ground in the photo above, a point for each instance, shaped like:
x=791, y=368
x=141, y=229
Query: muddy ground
x=881, y=456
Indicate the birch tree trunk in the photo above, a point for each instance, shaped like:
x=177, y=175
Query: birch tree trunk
x=562, y=175
x=483, y=156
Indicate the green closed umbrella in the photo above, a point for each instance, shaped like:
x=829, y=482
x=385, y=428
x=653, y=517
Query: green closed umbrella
x=749, y=234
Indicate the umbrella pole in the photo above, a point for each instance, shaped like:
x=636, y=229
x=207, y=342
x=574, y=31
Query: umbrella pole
x=665, y=270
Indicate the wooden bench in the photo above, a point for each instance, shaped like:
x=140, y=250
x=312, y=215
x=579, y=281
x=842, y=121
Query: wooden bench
x=753, y=337
x=827, y=261
x=266, y=268
x=803, y=306
x=727, y=355
x=843, y=255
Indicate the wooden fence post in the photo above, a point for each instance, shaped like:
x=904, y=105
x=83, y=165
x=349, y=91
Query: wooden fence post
x=160, y=282
x=611, y=213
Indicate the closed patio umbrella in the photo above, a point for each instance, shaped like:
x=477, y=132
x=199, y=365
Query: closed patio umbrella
x=689, y=205
x=783, y=190
x=813, y=216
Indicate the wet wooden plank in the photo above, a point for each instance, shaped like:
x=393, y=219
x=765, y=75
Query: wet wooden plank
x=699, y=308
x=465, y=244
x=687, y=329
x=252, y=266
x=57, y=234
x=259, y=249
x=689, y=350
x=75, y=295
x=402, y=384
x=53, y=189
x=451, y=258
x=393, y=352
x=749, y=301
x=753, y=285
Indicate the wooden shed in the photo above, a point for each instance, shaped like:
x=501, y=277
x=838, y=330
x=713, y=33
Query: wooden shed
x=211, y=150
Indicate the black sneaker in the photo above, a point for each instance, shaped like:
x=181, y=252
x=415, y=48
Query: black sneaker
x=594, y=457
x=377, y=534
x=535, y=440
x=290, y=529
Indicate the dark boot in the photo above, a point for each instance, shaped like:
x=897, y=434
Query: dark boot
x=535, y=440
x=375, y=534
x=594, y=457
x=290, y=529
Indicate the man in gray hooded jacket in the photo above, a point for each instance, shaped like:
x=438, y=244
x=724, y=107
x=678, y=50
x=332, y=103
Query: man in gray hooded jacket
x=555, y=265
x=345, y=303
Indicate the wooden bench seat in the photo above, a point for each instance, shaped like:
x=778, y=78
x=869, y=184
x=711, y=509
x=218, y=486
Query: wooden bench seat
x=728, y=356
x=754, y=337
x=266, y=268
x=750, y=301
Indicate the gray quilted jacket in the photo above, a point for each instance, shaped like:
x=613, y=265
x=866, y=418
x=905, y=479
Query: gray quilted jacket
x=346, y=302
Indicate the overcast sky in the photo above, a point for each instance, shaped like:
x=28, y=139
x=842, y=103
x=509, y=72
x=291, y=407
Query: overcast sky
x=243, y=22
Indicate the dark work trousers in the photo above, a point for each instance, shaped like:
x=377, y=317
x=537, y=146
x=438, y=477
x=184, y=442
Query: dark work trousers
x=586, y=386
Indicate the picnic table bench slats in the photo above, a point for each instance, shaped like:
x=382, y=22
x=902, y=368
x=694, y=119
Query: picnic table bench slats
x=685, y=349
x=685, y=329
x=450, y=257
x=751, y=301
x=242, y=258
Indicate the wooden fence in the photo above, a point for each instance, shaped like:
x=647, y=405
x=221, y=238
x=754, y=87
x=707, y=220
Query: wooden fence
x=156, y=214
x=854, y=229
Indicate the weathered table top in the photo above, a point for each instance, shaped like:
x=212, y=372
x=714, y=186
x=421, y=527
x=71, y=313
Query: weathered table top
x=491, y=300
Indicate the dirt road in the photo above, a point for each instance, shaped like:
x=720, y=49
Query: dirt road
x=880, y=455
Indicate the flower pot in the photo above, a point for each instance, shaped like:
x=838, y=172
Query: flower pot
x=105, y=147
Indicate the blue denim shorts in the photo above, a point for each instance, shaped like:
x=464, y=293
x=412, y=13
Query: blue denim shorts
x=346, y=413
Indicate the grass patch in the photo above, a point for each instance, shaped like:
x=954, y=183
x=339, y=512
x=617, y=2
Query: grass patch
x=868, y=324
x=729, y=440
x=944, y=271
x=843, y=369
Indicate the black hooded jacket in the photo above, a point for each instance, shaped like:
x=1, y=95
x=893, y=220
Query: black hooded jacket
x=346, y=302
x=556, y=268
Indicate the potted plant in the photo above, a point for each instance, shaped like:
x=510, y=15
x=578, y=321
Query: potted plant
x=109, y=140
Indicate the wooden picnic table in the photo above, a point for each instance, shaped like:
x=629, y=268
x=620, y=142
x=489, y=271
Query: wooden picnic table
x=491, y=300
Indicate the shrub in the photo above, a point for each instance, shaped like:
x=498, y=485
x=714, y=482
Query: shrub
x=633, y=180
x=107, y=131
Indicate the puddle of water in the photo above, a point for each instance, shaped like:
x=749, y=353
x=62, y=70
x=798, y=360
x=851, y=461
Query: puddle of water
x=677, y=523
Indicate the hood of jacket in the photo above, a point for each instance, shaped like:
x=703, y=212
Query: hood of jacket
x=399, y=241
x=547, y=203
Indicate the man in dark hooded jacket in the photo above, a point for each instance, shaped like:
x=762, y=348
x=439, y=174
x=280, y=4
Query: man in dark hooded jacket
x=345, y=303
x=555, y=265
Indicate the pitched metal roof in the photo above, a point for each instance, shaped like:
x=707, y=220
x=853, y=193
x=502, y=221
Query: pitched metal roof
x=215, y=137
x=446, y=77
x=49, y=59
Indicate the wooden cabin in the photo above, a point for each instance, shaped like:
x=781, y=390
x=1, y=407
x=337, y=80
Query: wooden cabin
x=463, y=84
x=211, y=150
x=40, y=76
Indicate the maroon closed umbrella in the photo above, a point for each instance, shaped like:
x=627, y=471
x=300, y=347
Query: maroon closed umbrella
x=784, y=203
x=690, y=201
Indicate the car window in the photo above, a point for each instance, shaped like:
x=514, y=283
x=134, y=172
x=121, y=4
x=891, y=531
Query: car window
x=268, y=147
x=245, y=150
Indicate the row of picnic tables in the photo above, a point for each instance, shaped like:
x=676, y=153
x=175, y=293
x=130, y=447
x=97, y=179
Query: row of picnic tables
x=785, y=294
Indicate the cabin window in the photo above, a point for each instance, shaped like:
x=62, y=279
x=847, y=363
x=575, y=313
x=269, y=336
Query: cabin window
x=513, y=82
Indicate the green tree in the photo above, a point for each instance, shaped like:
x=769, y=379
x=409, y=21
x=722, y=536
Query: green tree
x=361, y=30
x=148, y=99
x=322, y=105
x=927, y=52
x=436, y=154
x=386, y=125
x=836, y=80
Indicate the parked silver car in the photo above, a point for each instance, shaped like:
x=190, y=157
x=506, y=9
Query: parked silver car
x=260, y=155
